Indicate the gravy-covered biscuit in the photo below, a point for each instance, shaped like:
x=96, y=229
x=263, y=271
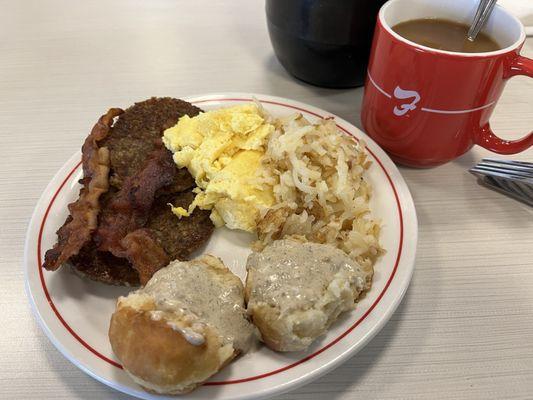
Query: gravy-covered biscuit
x=295, y=290
x=182, y=327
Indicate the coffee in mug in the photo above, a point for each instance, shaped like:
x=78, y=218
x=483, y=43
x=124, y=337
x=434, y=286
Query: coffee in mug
x=444, y=34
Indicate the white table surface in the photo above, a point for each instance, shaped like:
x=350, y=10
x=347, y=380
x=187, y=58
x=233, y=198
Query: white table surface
x=465, y=327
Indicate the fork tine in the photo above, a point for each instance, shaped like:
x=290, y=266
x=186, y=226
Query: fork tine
x=506, y=171
x=506, y=161
x=522, y=169
x=522, y=164
x=497, y=173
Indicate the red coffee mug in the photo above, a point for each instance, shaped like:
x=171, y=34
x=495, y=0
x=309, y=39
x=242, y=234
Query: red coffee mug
x=426, y=107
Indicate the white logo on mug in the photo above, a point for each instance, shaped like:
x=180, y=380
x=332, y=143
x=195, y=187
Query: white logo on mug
x=401, y=94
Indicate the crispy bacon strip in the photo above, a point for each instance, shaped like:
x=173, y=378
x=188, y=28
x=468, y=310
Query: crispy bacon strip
x=82, y=221
x=129, y=209
x=143, y=252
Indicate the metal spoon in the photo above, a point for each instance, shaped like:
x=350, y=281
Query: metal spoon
x=482, y=14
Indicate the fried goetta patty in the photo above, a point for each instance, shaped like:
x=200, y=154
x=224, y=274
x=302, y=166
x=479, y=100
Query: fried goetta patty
x=138, y=132
x=135, y=217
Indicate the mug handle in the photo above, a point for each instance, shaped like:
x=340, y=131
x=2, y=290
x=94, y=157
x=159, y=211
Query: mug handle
x=486, y=138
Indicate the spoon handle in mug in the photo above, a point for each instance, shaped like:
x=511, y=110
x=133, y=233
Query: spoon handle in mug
x=482, y=14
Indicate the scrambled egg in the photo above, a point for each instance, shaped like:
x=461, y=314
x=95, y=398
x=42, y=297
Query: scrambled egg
x=222, y=149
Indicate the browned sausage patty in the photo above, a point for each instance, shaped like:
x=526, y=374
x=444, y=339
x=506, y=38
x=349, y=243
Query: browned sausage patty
x=138, y=131
x=134, y=137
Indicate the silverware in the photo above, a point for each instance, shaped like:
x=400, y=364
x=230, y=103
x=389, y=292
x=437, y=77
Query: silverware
x=482, y=14
x=512, y=178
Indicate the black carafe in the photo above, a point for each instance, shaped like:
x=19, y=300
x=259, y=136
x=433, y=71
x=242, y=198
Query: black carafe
x=323, y=42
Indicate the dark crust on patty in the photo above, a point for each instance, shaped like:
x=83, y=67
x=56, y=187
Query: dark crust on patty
x=138, y=132
x=179, y=237
x=102, y=266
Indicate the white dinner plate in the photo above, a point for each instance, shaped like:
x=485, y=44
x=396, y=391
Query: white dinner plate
x=74, y=313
